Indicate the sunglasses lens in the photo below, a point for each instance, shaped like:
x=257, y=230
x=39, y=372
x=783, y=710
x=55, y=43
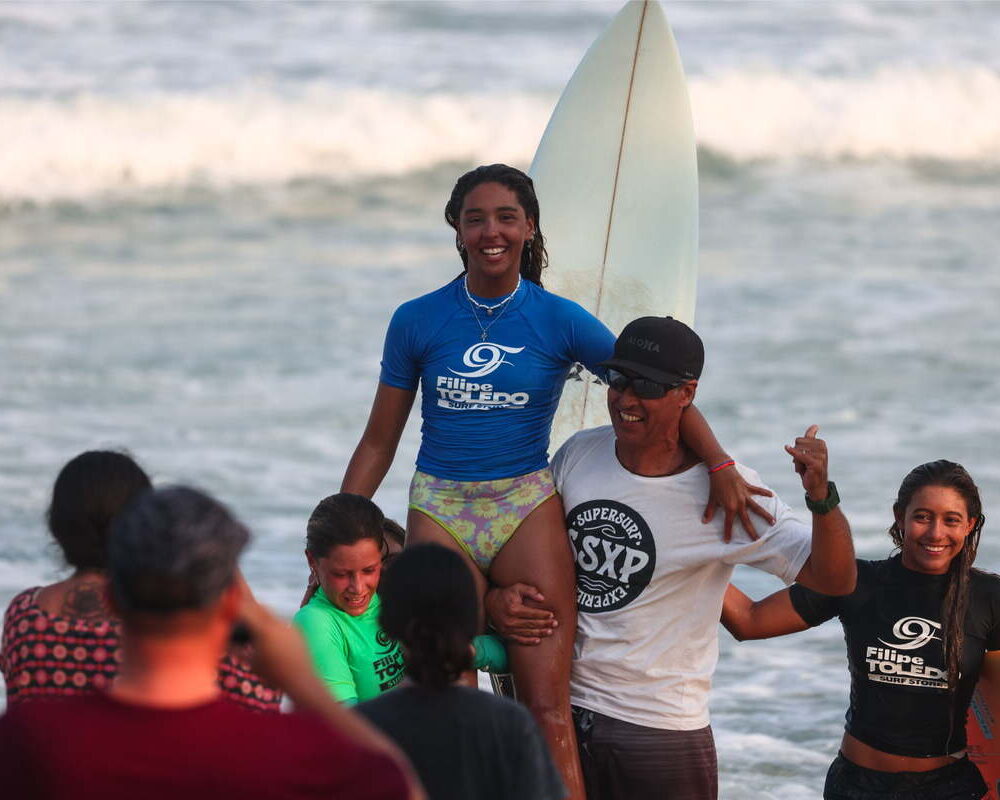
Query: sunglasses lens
x=618, y=381
x=647, y=389
x=644, y=388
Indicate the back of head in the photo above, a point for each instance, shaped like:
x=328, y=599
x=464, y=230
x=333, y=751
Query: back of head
x=430, y=606
x=174, y=549
x=89, y=492
x=343, y=518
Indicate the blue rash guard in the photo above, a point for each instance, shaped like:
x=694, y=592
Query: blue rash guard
x=487, y=406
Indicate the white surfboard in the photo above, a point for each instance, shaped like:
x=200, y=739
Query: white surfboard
x=617, y=180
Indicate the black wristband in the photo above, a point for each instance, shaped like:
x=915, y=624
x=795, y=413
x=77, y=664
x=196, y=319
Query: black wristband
x=824, y=506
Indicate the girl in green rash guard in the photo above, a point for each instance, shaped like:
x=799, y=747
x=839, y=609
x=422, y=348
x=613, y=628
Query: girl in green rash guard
x=345, y=547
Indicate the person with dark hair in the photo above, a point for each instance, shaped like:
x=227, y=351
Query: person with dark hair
x=62, y=639
x=347, y=546
x=493, y=747
x=163, y=729
x=394, y=536
x=344, y=548
x=490, y=352
x=920, y=627
x=651, y=575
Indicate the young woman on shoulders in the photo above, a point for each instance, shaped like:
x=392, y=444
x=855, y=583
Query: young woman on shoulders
x=490, y=352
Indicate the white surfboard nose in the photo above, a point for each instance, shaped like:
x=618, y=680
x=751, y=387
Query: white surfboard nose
x=616, y=174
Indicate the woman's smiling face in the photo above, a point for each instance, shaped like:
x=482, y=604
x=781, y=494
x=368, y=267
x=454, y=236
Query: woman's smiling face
x=934, y=527
x=493, y=227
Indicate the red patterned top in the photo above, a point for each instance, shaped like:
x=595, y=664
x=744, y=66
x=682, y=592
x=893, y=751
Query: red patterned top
x=44, y=655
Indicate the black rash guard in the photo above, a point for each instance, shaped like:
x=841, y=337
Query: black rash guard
x=892, y=625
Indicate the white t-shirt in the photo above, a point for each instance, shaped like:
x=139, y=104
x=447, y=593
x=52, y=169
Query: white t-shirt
x=650, y=581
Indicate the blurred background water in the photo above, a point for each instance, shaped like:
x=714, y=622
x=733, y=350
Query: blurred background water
x=208, y=212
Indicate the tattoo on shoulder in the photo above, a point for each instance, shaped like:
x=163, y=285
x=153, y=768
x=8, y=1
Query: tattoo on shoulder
x=86, y=600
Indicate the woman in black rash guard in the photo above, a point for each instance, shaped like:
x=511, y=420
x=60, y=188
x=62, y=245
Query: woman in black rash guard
x=920, y=628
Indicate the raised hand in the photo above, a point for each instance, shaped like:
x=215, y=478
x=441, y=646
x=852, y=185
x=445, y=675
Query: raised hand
x=811, y=462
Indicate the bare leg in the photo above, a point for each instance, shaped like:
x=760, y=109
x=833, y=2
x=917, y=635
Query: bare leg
x=539, y=554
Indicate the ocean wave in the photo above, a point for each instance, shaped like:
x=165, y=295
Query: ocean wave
x=895, y=114
x=93, y=145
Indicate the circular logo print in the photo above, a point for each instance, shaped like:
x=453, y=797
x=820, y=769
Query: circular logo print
x=615, y=554
x=383, y=639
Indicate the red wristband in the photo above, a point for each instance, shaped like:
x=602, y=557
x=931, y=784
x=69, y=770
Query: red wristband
x=723, y=465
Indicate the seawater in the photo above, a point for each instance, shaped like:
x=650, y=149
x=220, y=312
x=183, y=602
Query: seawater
x=208, y=212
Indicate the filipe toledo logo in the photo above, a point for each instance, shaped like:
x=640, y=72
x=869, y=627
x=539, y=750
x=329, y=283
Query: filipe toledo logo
x=893, y=664
x=615, y=554
x=913, y=633
x=485, y=358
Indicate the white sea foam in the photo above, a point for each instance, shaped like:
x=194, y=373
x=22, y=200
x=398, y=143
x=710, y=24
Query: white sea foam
x=899, y=114
x=94, y=144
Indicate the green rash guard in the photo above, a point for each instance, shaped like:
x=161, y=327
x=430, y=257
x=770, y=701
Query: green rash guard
x=352, y=655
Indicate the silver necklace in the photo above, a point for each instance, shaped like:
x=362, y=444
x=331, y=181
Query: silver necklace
x=489, y=309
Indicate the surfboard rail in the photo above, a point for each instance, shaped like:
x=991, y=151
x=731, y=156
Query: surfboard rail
x=616, y=174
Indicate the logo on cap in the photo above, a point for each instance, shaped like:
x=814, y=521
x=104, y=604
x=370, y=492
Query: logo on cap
x=644, y=344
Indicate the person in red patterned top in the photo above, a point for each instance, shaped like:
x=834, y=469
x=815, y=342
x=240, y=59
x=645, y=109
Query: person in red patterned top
x=63, y=639
x=163, y=729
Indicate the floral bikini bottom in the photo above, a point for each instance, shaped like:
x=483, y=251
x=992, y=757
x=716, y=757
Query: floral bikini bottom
x=481, y=515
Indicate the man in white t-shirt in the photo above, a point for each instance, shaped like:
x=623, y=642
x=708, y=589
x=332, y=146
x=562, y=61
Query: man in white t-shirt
x=651, y=574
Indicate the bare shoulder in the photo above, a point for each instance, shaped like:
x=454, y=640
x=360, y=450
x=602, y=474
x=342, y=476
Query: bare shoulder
x=82, y=598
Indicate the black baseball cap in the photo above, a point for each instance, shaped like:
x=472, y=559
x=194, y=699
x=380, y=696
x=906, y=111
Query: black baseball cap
x=661, y=349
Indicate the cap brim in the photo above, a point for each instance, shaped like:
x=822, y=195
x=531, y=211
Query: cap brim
x=644, y=371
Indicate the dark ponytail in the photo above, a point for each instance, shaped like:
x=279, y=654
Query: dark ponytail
x=534, y=257
x=429, y=605
x=89, y=493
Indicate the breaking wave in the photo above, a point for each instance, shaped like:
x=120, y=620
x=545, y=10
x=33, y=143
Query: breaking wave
x=94, y=145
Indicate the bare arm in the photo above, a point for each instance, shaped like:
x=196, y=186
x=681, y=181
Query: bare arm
x=728, y=489
x=281, y=658
x=773, y=616
x=374, y=453
x=830, y=568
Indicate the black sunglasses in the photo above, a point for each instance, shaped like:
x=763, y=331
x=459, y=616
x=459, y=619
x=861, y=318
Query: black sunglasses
x=644, y=388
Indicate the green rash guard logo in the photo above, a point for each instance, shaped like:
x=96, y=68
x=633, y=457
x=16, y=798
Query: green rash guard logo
x=388, y=665
x=615, y=554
